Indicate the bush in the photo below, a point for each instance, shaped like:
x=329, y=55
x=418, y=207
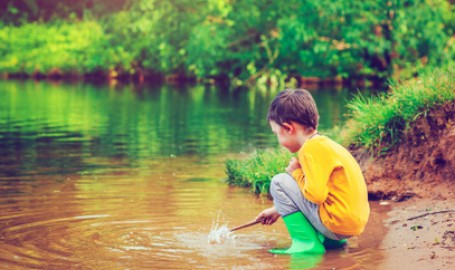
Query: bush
x=70, y=48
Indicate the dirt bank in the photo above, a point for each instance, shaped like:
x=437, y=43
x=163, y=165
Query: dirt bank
x=417, y=178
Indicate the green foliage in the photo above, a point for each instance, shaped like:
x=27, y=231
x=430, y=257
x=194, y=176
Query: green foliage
x=257, y=171
x=69, y=48
x=242, y=40
x=421, y=35
x=251, y=39
x=330, y=39
x=379, y=123
x=23, y=11
x=156, y=33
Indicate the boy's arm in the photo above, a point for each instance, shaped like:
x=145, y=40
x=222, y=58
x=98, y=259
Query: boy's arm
x=299, y=176
x=318, y=165
x=293, y=165
x=295, y=170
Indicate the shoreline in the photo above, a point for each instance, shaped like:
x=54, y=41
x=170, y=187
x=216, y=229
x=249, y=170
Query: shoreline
x=310, y=83
x=420, y=235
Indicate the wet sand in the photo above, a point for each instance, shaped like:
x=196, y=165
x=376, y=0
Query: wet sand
x=421, y=235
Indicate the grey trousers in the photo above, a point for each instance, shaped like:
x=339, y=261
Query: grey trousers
x=288, y=199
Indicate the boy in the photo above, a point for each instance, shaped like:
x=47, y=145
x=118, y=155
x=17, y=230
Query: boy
x=323, y=197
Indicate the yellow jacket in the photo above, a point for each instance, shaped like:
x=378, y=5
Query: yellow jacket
x=331, y=178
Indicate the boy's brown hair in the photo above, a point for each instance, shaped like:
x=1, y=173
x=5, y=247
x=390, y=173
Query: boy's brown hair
x=295, y=105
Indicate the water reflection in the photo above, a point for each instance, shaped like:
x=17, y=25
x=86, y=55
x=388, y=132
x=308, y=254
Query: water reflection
x=113, y=178
x=143, y=121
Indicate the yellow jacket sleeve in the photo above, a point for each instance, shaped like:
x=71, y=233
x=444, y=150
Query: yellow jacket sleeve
x=318, y=168
x=299, y=177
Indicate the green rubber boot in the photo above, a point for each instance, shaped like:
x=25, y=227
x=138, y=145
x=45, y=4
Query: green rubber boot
x=334, y=244
x=304, y=237
x=330, y=243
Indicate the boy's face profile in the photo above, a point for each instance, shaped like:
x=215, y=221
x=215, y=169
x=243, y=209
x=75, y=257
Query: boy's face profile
x=286, y=135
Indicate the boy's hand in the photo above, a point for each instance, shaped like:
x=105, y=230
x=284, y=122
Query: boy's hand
x=268, y=216
x=293, y=165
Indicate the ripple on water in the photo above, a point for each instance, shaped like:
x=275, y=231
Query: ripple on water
x=63, y=241
x=50, y=237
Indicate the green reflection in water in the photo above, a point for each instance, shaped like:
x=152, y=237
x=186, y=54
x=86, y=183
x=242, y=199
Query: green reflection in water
x=60, y=125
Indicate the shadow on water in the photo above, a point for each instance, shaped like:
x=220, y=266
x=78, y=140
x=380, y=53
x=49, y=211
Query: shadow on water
x=107, y=178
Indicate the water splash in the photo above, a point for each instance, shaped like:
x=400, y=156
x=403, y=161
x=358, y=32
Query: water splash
x=219, y=234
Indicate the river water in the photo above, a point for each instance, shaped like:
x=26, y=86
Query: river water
x=132, y=177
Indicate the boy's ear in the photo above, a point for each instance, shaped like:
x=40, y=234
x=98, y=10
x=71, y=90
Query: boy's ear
x=289, y=127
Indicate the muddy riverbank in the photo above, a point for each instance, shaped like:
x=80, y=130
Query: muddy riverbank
x=416, y=180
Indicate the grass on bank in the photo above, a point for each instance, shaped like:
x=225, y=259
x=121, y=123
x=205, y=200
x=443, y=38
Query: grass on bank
x=376, y=123
x=257, y=171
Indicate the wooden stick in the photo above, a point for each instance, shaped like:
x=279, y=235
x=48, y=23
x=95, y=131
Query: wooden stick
x=431, y=213
x=251, y=223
